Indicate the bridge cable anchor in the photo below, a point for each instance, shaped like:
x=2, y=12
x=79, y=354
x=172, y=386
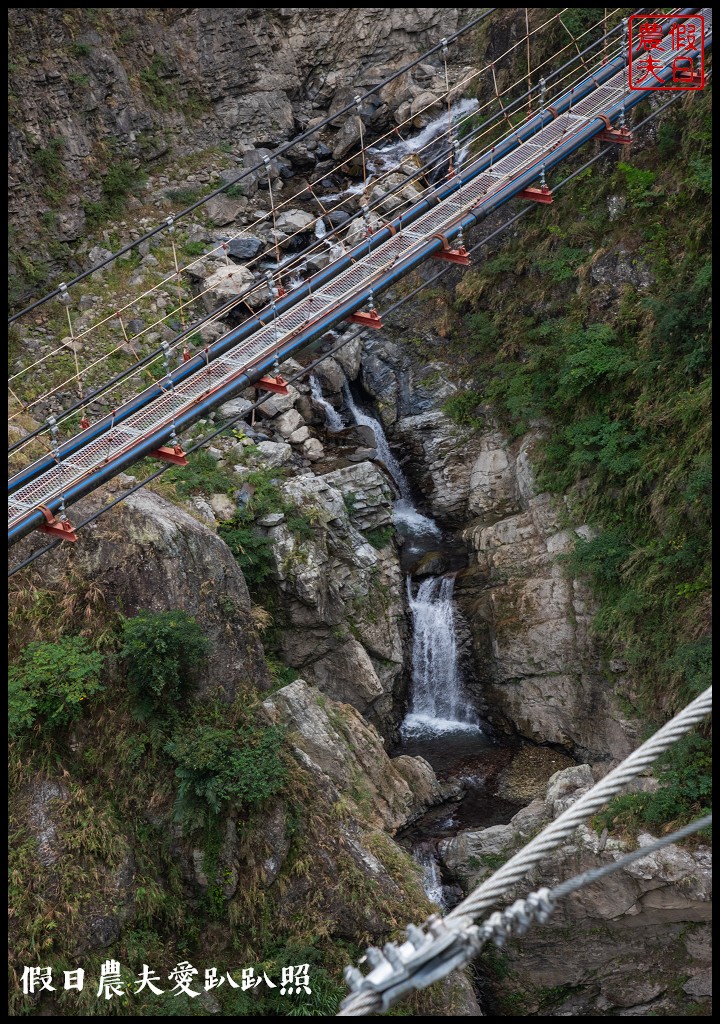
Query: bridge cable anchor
x=459, y=255
x=621, y=135
x=61, y=528
x=370, y=318
x=542, y=195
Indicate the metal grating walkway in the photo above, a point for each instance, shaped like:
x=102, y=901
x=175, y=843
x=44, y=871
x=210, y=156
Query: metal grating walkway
x=161, y=412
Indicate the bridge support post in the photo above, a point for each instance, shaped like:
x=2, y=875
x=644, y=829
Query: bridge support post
x=277, y=385
x=541, y=195
x=371, y=319
x=58, y=528
x=166, y=454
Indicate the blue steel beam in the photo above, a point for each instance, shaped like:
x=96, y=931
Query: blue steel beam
x=247, y=329
x=339, y=313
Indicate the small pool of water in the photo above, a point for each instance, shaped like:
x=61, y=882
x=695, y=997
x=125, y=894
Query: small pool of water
x=474, y=758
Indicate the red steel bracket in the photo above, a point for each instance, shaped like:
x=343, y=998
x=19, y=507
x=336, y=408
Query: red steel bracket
x=687, y=75
x=620, y=136
x=537, y=195
x=275, y=384
x=371, y=319
x=460, y=256
x=61, y=528
x=166, y=454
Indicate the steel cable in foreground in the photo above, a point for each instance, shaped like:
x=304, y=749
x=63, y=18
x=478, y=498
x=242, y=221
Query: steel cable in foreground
x=452, y=942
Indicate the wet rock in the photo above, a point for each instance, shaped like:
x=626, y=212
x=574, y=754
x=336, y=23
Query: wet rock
x=348, y=358
x=245, y=247
x=367, y=494
x=331, y=377
x=348, y=137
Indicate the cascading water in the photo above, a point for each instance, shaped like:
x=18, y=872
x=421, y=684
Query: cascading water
x=405, y=514
x=388, y=157
x=432, y=882
x=335, y=250
x=438, y=701
x=333, y=418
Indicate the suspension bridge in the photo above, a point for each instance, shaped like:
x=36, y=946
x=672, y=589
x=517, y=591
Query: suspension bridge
x=431, y=226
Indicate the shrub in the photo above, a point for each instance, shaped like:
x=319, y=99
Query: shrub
x=462, y=409
x=381, y=537
x=251, y=549
x=52, y=681
x=219, y=765
x=685, y=774
x=638, y=183
x=162, y=653
x=201, y=476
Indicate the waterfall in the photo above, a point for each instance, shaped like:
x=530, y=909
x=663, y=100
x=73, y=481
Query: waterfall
x=404, y=512
x=438, y=701
x=333, y=419
x=431, y=881
x=388, y=157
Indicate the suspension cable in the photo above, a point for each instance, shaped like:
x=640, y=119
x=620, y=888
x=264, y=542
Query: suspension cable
x=24, y=407
x=169, y=222
x=399, y=969
x=441, y=273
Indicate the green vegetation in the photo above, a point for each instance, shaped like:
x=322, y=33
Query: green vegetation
x=250, y=547
x=462, y=409
x=216, y=765
x=162, y=655
x=119, y=181
x=685, y=777
x=154, y=82
x=599, y=330
x=202, y=475
x=381, y=537
x=51, y=681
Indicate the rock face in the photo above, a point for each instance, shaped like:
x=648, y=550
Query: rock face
x=545, y=674
x=342, y=597
x=627, y=945
x=199, y=76
x=333, y=739
x=149, y=554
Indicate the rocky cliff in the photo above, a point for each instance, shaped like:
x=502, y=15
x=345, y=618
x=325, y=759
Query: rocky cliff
x=634, y=944
x=98, y=95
